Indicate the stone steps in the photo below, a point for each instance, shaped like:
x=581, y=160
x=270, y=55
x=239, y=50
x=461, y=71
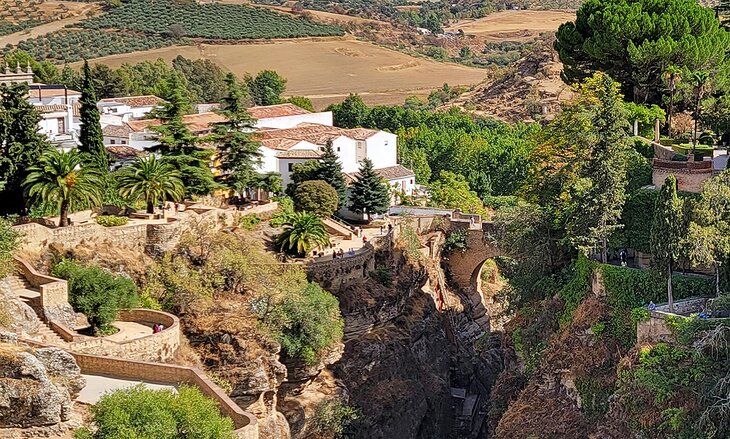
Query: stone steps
x=49, y=336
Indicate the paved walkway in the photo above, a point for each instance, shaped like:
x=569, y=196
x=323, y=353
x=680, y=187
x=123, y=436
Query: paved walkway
x=129, y=331
x=97, y=385
x=356, y=243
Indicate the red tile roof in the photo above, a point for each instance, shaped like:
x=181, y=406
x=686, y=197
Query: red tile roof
x=272, y=111
x=360, y=133
x=51, y=108
x=396, y=172
x=197, y=123
x=299, y=154
x=124, y=152
x=122, y=130
x=49, y=92
x=136, y=101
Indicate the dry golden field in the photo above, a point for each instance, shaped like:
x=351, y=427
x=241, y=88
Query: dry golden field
x=326, y=70
x=514, y=25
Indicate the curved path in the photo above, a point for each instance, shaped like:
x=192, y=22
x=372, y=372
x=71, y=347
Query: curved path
x=97, y=386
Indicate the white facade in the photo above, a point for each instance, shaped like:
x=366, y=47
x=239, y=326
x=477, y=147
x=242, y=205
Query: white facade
x=324, y=118
x=382, y=149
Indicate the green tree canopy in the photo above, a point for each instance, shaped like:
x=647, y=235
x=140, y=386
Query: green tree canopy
x=62, y=178
x=369, y=193
x=667, y=232
x=267, y=87
x=137, y=412
x=317, y=197
x=351, y=113
x=91, y=138
x=451, y=191
x=634, y=41
x=151, y=180
x=238, y=151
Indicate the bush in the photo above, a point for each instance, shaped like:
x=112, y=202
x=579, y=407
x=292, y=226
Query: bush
x=456, y=241
x=136, y=412
x=96, y=293
x=249, y=222
x=317, y=197
x=111, y=221
x=307, y=323
x=384, y=275
x=8, y=242
x=333, y=419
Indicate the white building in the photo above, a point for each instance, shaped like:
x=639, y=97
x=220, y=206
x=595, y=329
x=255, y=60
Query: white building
x=115, y=111
x=58, y=107
x=287, y=116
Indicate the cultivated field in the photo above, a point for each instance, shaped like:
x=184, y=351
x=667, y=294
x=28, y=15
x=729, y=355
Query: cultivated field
x=514, y=25
x=326, y=71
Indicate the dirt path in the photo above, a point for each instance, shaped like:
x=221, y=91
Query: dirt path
x=40, y=30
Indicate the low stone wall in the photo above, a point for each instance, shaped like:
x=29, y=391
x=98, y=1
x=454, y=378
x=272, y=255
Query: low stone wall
x=153, y=347
x=53, y=301
x=655, y=329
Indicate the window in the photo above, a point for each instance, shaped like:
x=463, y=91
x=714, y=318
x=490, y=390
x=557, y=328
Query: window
x=338, y=149
x=386, y=143
x=61, y=125
x=124, y=142
x=290, y=166
x=112, y=142
x=321, y=148
x=411, y=181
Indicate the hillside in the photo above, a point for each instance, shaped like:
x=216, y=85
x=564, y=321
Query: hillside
x=529, y=90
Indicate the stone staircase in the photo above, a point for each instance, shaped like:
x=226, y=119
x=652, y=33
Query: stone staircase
x=31, y=297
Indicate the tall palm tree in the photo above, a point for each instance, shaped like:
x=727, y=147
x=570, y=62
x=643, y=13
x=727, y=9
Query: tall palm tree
x=303, y=232
x=151, y=180
x=699, y=79
x=673, y=75
x=60, y=177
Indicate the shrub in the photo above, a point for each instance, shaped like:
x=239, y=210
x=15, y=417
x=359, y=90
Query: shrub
x=8, y=242
x=111, y=221
x=333, y=419
x=249, y=222
x=456, y=241
x=136, y=412
x=317, y=197
x=307, y=323
x=96, y=293
x=384, y=275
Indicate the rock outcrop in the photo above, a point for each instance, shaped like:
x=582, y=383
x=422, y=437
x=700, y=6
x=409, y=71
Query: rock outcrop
x=37, y=387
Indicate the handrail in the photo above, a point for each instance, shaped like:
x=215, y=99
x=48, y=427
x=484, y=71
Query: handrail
x=340, y=222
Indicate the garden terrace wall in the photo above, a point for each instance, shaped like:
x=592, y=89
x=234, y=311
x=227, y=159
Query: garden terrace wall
x=52, y=305
x=690, y=175
x=161, y=346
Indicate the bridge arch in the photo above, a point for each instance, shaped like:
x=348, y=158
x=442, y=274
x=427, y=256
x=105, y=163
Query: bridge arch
x=465, y=267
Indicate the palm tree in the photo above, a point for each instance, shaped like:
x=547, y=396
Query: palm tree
x=152, y=180
x=303, y=232
x=59, y=177
x=699, y=79
x=672, y=75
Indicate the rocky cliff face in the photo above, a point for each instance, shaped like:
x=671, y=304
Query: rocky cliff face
x=37, y=387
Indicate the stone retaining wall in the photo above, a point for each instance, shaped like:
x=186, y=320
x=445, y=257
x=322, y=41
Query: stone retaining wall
x=153, y=347
x=690, y=175
x=53, y=303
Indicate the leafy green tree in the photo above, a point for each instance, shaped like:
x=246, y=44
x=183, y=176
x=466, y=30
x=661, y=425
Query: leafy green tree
x=330, y=170
x=62, y=178
x=195, y=172
x=96, y=293
x=635, y=40
x=267, y=87
x=369, y=193
x=238, y=151
x=137, y=412
x=600, y=195
x=451, y=191
x=708, y=237
x=309, y=323
x=666, y=233
x=302, y=232
x=351, y=113
x=21, y=146
x=317, y=197
x=91, y=138
x=206, y=80
x=416, y=159
x=269, y=182
x=151, y=180
x=302, y=172
x=301, y=102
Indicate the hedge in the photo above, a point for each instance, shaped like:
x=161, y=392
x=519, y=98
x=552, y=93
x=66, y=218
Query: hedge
x=111, y=221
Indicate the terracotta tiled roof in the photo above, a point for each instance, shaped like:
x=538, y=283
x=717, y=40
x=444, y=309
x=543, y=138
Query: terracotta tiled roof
x=360, y=133
x=122, y=130
x=396, y=172
x=298, y=132
x=51, y=108
x=118, y=152
x=300, y=154
x=136, y=101
x=271, y=111
x=196, y=122
x=49, y=92
x=279, y=144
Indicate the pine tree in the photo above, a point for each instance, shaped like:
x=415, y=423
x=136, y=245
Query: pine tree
x=369, y=194
x=239, y=153
x=91, y=137
x=21, y=146
x=666, y=233
x=330, y=170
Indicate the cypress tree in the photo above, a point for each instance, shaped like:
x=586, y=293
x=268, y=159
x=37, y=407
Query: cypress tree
x=91, y=138
x=369, y=194
x=666, y=233
x=330, y=170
